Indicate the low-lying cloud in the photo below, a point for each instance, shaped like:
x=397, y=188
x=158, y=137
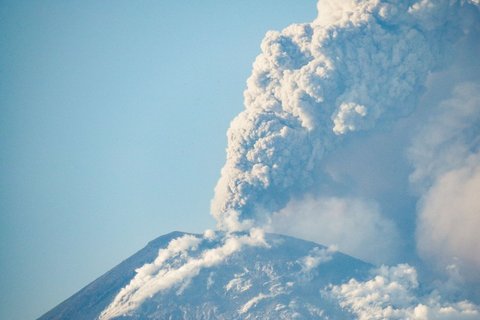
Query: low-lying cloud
x=393, y=293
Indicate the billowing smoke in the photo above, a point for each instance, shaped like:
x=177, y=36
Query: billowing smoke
x=360, y=64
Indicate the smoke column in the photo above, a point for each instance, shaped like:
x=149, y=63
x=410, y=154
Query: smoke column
x=360, y=64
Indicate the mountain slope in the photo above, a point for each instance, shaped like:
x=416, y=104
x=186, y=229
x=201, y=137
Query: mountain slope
x=92, y=299
x=284, y=279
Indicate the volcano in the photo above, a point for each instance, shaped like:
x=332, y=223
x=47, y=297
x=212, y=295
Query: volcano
x=287, y=278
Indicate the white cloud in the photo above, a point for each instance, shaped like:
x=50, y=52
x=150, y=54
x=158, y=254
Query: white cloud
x=393, y=293
x=354, y=225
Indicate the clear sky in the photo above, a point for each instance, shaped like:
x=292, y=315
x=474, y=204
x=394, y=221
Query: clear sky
x=112, y=129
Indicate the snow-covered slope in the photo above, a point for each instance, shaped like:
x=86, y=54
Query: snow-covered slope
x=284, y=279
x=253, y=275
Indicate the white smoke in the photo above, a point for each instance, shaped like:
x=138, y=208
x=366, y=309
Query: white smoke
x=316, y=257
x=448, y=138
x=359, y=64
x=393, y=293
x=446, y=158
x=355, y=226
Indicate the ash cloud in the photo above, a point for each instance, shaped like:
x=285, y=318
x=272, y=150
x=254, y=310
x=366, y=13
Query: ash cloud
x=359, y=65
x=361, y=73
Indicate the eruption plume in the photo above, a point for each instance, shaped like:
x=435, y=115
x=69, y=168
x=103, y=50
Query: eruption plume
x=360, y=64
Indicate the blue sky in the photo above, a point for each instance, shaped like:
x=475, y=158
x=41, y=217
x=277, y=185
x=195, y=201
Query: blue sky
x=112, y=129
